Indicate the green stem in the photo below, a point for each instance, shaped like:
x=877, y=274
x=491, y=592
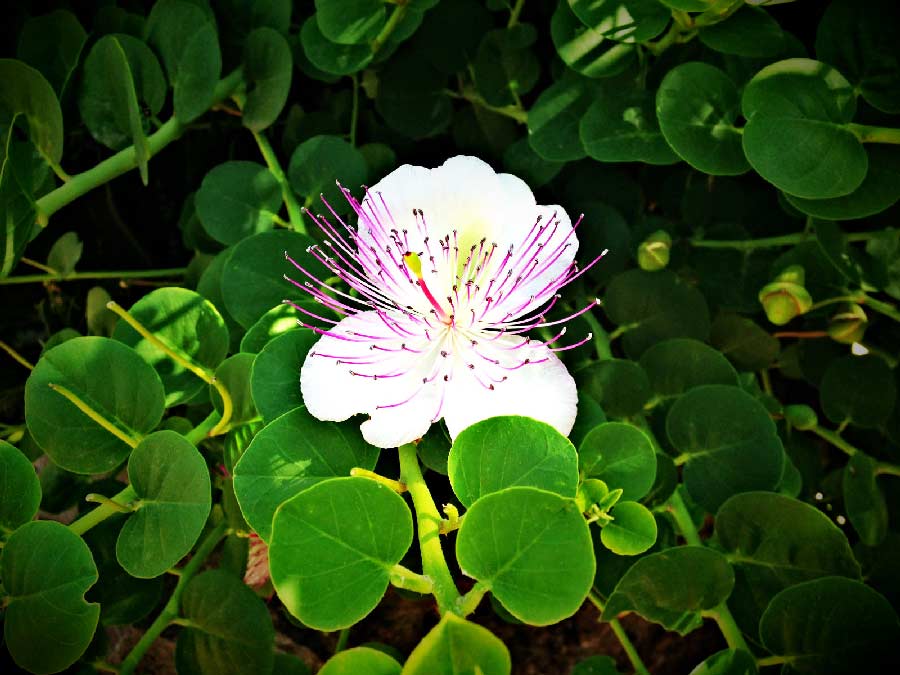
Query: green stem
x=403, y=577
x=80, y=276
x=623, y=638
x=770, y=661
x=514, y=14
x=683, y=520
x=394, y=485
x=513, y=112
x=428, y=524
x=123, y=161
x=130, y=437
x=869, y=134
x=201, y=431
x=886, y=469
x=354, y=110
x=835, y=440
x=170, y=611
x=392, y=23
x=728, y=626
x=343, y=638
x=469, y=602
x=287, y=192
x=104, y=511
x=884, y=308
x=772, y=242
x=721, y=614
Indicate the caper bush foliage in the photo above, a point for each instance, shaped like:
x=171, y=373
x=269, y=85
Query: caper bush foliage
x=736, y=456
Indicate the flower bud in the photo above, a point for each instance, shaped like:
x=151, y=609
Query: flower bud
x=653, y=253
x=802, y=417
x=849, y=325
x=786, y=298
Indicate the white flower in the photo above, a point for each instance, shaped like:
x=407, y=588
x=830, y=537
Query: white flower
x=450, y=269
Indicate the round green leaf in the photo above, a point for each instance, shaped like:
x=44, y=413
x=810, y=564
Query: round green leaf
x=172, y=484
x=585, y=49
x=46, y=569
x=632, y=530
x=743, y=341
x=20, y=489
x=184, y=35
x=674, y=366
x=230, y=630
x=623, y=20
x=774, y=542
x=277, y=321
x=123, y=599
x=729, y=441
x=333, y=547
x=521, y=160
x=65, y=253
x=122, y=87
x=796, y=135
x=275, y=378
x=860, y=389
x=361, y=660
x=186, y=323
x=620, y=387
x=317, y=163
x=236, y=200
x=728, y=662
x=52, y=44
x=864, y=501
x=829, y=626
x=655, y=306
x=110, y=378
x=23, y=90
x=502, y=452
x=350, y=22
x=252, y=281
x=331, y=57
x=672, y=587
x=268, y=66
x=620, y=455
x=697, y=105
x=622, y=127
x=554, y=118
x=458, y=647
x=596, y=665
x=412, y=96
x=514, y=539
x=291, y=454
x=879, y=190
x=234, y=374
x=749, y=32
x=861, y=40
x=504, y=67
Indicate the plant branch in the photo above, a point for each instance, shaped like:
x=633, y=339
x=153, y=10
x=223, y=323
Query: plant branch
x=772, y=242
x=870, y=134
x=428, y=524
x=287, y=192
x=80, y=276
x=109, y=507
x=514, y=13
x=16, y=356
x=170, y=611
x=389, y=26
x=123, y=161
x=622, y=636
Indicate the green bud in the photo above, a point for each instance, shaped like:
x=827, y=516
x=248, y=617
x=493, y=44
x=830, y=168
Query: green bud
x=849, y=325
x=801, y=416
x=653, y=253
x=590, y=492
x=786, y=298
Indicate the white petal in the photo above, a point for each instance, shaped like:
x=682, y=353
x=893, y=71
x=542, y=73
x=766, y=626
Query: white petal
x=332, y=392
x=544, y=391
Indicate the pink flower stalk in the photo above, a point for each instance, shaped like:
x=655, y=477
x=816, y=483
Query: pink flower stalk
x=448, y=271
